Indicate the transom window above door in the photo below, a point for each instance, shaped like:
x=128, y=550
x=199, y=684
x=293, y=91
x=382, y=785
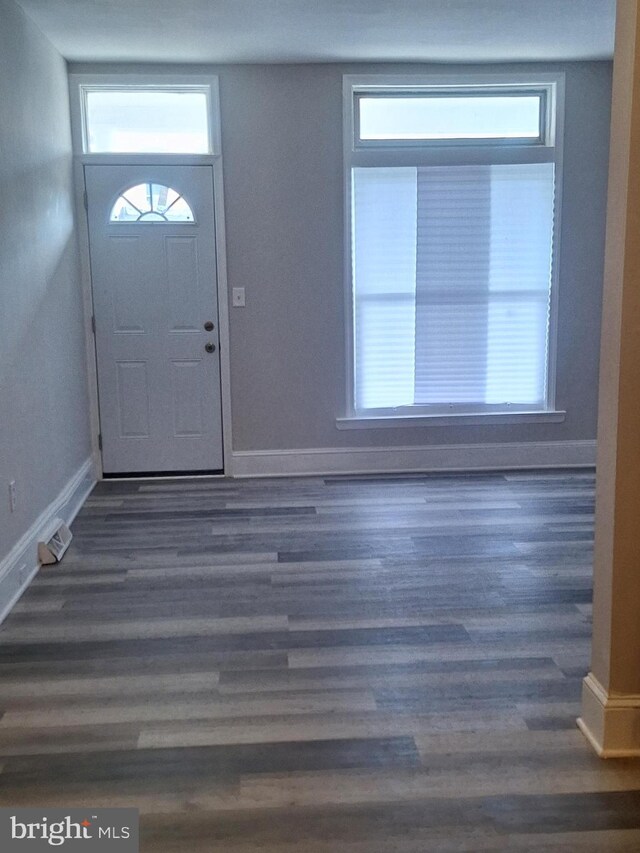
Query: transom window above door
x=149, y=118
x=153, y=203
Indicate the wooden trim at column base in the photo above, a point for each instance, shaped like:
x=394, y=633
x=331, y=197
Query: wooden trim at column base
x=611, y=724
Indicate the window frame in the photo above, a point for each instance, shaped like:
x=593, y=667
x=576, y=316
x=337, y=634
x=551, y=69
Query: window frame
x=83, y=84
x=415, y=153
x=86, y=90
x=398, y=92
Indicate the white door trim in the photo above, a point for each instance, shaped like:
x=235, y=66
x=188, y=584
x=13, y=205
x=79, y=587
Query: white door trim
x=215, y=161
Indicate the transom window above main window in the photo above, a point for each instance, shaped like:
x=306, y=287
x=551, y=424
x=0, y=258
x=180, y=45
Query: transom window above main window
x=453, y=242
x=433, y=116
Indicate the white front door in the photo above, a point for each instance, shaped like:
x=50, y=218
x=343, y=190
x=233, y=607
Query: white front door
x=153, y=270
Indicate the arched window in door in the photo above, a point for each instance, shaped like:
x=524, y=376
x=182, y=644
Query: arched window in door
x=153, y=203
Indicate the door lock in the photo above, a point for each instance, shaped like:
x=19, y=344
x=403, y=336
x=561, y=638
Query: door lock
x=208, y=326
x=210, y=347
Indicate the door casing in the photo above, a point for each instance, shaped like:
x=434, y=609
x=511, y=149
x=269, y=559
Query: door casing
x=80, y=159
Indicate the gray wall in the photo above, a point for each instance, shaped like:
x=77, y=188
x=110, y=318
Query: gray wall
x=282, y=149
x=44, y=431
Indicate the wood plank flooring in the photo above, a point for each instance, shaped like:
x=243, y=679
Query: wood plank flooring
x=329, y=664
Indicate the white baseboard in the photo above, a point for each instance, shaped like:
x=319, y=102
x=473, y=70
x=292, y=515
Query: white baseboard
x=20, y=566
x=611, y=724
x=383, y=460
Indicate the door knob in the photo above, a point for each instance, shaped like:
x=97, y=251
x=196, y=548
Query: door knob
x=210, y=347
x=208, y=326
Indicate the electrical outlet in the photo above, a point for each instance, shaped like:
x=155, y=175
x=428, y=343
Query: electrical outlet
x=13, y=496
x=238, y=297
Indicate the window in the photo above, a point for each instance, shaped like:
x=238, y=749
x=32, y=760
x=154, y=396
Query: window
x=151, y=203
x=434, y=116
x=452, y=196
x=146, y=120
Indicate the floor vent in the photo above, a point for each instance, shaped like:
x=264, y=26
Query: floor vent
x=52, y=549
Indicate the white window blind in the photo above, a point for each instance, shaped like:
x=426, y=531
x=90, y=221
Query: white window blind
x=452, y=283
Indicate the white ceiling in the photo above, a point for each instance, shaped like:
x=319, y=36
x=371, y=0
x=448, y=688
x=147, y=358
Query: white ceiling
x=326, y=30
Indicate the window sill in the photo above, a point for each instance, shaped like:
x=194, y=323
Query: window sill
x=459, y=419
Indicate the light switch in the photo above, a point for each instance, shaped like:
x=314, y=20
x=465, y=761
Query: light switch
x=238, y=297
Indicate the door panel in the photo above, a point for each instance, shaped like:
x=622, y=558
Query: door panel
x=154, y=288
x=133, y=399
x=181, y=277
x=188, y=417
x=129, y=305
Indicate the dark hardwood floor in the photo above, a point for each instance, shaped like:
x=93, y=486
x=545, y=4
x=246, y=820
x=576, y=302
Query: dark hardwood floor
x=319, y=665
